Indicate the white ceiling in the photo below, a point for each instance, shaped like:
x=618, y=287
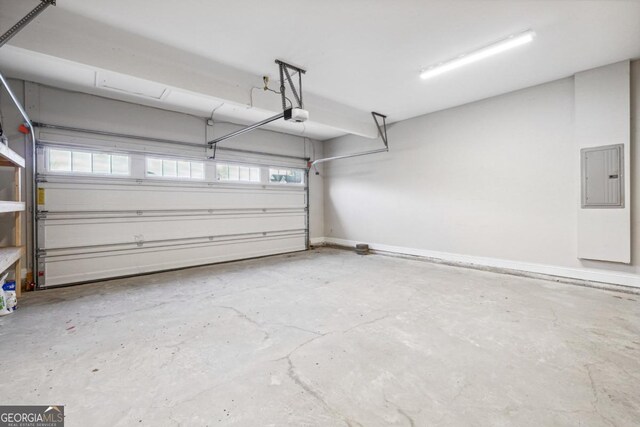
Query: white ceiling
x=361, y=55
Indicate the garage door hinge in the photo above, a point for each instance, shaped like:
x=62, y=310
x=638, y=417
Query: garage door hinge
x=139, y=213
x=41, y=253
x=42, y=215
x=40, y=178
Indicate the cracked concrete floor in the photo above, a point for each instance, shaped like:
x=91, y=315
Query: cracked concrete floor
x=324, y=338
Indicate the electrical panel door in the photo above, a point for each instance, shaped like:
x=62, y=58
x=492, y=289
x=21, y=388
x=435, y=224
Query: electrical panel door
x=602, y=177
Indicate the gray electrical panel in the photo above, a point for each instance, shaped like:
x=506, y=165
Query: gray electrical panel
x=602, y=176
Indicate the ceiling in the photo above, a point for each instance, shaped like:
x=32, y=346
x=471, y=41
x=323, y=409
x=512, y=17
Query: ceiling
x=361, y=55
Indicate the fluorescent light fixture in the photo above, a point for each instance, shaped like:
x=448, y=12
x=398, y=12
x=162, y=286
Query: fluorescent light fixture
x=477, y=55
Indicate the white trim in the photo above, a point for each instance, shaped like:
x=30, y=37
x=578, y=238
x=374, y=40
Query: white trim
x=587, y=274
x=317, y=241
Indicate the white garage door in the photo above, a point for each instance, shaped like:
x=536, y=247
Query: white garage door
x=112, y=208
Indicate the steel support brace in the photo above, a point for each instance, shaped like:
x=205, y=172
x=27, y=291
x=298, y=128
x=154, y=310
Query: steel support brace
x=285, y=79
x=8, y=35
x=382, y=131
x=284, y=72
x=245, y=129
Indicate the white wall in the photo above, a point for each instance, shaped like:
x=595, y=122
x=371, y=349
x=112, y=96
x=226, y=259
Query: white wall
x=602, y=117
x=492, y=182
x=60, y=107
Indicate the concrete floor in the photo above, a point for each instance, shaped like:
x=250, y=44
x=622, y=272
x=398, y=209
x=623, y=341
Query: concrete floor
x=327, y=338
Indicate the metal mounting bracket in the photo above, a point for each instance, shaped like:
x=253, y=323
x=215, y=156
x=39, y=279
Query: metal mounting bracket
x=382, y=131
x=8, y=35
x=285, y=71
x=286, y=76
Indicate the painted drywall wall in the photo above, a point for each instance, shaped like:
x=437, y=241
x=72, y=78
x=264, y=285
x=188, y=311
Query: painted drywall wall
x=493, y=182
x=602, y=118
x=635, y=165
x=61, y=107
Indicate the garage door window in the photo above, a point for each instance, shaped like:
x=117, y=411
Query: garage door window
x=286, y=176
x=172, y=168
x=83, y=162
x=225, y=172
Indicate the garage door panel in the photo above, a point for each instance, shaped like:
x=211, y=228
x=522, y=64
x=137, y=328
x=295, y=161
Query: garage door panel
x=66, y=198
x=93, y=226
x=66, y=233
x=74, y=269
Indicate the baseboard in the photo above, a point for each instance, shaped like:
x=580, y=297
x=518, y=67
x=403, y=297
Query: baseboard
x=317, y=241
x=550, y=272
